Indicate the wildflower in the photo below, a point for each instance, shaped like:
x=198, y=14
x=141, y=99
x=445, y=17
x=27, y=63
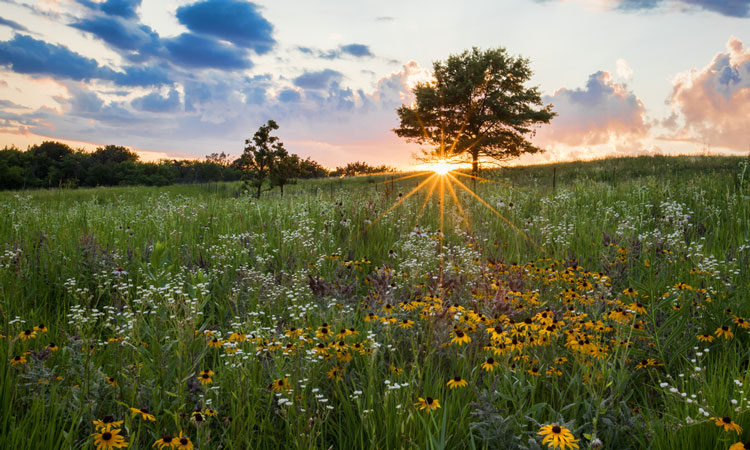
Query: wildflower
x=165, y=442
x=459, y=338
x=396, y=370
x=41, y=328
x=27, y=334
x=210, y=412
x=107, y=423
x=456, y=382
x=428, y=403
x=489, y=365
x=145, y=415
x=17, y=360
x=336, y=373
x=705, y=337
x=215, y=343
x=282, y=384
x=630, y=292
x=742, y=323
x=183, y=442
x=107, y=440
x=556, y=436
x=205, y=377
x=406, y=323
x=740, y=446
x=52, y=347
x=728, y=424
x=111, y=381
x=724, y=332
x=534, y=371
x=637, y=307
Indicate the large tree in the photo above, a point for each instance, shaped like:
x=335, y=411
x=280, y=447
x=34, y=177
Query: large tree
x=476, y=107
x=261, y=155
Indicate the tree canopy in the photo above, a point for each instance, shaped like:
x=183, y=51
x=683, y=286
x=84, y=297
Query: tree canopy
x=476, y=107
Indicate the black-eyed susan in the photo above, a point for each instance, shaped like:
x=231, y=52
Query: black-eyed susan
x=724, y=332
x=111, y=381
x=728, y=424
x=556, y=436
x=430, y=404
x=490, y=364
x=205, y=377
x=210, y=412
x=27, y=334
x=109, y=439
x=740, y=446
x=52, y=347
x=336, y=373
x=396, y=370
x=107, y=423
x=456, y=382
x=460, y=338
x=18, y=360
x=215, y=343
x=406, y=323
x=144, y=413
x=165, y=441
x=183, y=442
x=281, y=384
x=41, y=328
x=742, y=323
x=705, y=337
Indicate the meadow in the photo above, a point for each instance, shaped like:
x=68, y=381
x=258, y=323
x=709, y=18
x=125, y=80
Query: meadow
x=593, y=305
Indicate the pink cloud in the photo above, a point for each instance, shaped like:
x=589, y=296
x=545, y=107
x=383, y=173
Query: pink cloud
x=600, y=113
x=713, y=102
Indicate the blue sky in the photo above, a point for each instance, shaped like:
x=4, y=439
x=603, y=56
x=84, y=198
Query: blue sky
x=188, y=78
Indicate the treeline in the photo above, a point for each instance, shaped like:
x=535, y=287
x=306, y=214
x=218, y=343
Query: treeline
x=54, y=164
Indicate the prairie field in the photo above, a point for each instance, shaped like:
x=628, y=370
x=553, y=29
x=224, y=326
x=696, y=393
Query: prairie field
x=607, y=299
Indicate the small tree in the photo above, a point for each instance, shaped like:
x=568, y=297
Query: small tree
x=285, y=170
x=477, y=106
x=260, y=155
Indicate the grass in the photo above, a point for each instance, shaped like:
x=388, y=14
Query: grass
x=134, y=285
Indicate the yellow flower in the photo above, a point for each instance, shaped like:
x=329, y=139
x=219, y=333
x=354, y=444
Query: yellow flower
x=17, y=360
x=406, y=323
x=740, y=446
x=205, y=377
x=489, y=365
x=107, y=423
x=728, y=424
x=215, y=343
x=27, y=334
x=724, y=332
x=107, y=440
x=144, y=414
x=282, y=384
x=456, y=382
x=428, y=403
x=556, y=436
x=183, y=442
x=165, y=442
x=336, y=373
x=41, y=328
x=742, y=323
x=705, y=337
x=459, y=338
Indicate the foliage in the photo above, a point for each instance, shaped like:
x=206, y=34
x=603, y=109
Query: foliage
x=476, y=107
x=360, y=168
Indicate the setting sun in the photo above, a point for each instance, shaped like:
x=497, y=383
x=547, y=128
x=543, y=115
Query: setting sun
x=441, y=168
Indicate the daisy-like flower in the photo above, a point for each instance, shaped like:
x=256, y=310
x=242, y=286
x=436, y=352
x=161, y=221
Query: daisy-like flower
x=18, y=360
x=490, y=364
x=107, y=423
x=215, y=343
x=728, y=424
x=740, y=446
x=41, y=328
x=336, y=373
x=630, y=292
x=406, y=323
x=428, y=403
x=183, y=442
x=52, y=347
x=282, y=384
x=456, y=382
x=705, y=337
x=108, y=440
x=724, y=332
x=556, y=436
x=637, y=307
x=111, y=381
x=27, y=334
x=145, y=414
x=210, y=412
x=459, y=338
x=742, y=323
x=165, y=442
x=205, y=377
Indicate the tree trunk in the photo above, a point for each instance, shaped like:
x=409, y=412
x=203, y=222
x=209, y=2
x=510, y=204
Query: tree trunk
x=258, y=194
x=475, y=164
x=282, y=189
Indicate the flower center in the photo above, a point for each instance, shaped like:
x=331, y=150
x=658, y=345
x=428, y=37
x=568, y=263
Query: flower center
x=556, y=429
x=429, y=400
x=726, y=420
x=183, y=441
x=106, y=436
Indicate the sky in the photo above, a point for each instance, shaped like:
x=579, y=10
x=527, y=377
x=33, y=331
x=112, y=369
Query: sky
x=186, y=78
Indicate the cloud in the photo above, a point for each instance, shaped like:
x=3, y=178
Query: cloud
x=24, y=54
x=730, y=8
x=120, y=8
x=711, y=105
x=199, y=52
x=289, y=96
x=121, y=34
x=385, y=19
x=602, y=111
x=317, y=80
x=235, y=21
x=154, y=102
x=15, y=25
x=358, y=50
